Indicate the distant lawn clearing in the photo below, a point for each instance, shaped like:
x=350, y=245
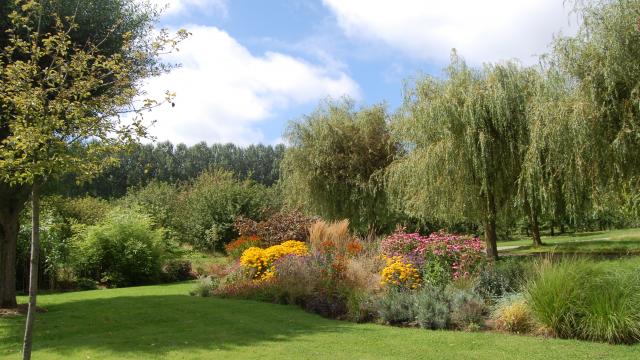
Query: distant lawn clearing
x=605, y=242
x=163, y=322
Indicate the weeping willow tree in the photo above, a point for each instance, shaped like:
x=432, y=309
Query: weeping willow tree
x=602, y=61
x=585, y=126
x=466, y=137
x=335, y=163
x=554, y=181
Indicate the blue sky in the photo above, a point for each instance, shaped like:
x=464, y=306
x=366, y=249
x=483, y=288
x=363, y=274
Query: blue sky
x=251, y=66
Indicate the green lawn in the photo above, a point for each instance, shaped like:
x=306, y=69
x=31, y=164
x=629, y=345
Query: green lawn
x=163, y=322
x=614, y=241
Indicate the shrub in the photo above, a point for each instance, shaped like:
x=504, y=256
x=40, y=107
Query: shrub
x=277, y=227
x=585, y=300
x=177, y=270
x=505, y=276
x=235, y=248
x=209, y=206
x=157, y=199
x=122, y=250
x=361, y=306
x=431, y=308
x=329, y=304
x=512, y=314
x=467, y=308
x=397, y=307
x=205, y=286
x=86, y=284
x=297, y=278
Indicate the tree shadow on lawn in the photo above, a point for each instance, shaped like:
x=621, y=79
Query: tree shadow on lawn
x=154, y=325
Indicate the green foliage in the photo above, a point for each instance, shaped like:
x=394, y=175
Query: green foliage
x=121, y=250
x=205, y=286
x=602, y=57
x=335, y=162
x=466, y=135
x=396, y=307
x=503, y=277
x=468, y=309
x=585, y=300
x=87, y=284
x=431, y=308
x=177, y=270
x=158, y=199
x=209, y=206
x=168, y=163
x=61, y=99
x=60, y=220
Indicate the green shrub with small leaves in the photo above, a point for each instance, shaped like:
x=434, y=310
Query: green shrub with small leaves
x=122, y=250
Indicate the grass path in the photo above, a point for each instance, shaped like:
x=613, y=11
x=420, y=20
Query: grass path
x=163, y=322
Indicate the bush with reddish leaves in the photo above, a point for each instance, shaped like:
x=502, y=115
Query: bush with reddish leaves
x=277, y=228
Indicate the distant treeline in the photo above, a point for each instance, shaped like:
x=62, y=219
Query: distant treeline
x=176, y=163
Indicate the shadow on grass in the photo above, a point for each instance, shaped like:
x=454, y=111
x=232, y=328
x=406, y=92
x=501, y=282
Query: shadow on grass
x=139, y=327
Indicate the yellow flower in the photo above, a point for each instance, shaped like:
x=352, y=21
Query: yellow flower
x=262, y=259
x=398, y=272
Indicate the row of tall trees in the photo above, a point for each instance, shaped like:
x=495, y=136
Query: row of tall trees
x=165, y=162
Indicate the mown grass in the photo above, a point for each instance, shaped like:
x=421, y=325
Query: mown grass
x=626, y=241
x=163, y=322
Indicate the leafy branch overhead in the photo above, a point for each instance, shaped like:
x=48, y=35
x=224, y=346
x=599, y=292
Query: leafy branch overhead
x=66, y=106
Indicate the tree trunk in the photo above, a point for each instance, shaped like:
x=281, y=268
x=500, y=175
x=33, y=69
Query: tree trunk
x=491, y=238
x=535, y=229
x=553, y=230
x=12, y=200
x=561, y=228
x=33, y=272
x=490, y=235
x=532, y=214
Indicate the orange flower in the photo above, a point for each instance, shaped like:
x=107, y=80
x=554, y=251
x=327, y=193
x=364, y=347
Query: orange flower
x=354, y=247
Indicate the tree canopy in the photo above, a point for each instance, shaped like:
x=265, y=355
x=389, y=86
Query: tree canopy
x=335, y=163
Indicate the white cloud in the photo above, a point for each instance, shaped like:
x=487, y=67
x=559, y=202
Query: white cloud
x=175, y=7
x=223, y=91
x=481, y=31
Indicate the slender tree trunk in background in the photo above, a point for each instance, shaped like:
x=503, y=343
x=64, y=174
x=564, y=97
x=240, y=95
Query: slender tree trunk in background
x=535, y=229
x=12, y=201
x=490, y=235
x=553, y=230
x=532, y=214
x=33, y=272
x=562, y=228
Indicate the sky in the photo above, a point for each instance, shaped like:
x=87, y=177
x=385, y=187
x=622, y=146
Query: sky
x=251, y=66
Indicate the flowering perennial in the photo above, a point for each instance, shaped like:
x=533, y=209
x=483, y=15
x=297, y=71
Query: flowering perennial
x=237, y=246
x=262, y=260
x=400, y=273
x=460, y=254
